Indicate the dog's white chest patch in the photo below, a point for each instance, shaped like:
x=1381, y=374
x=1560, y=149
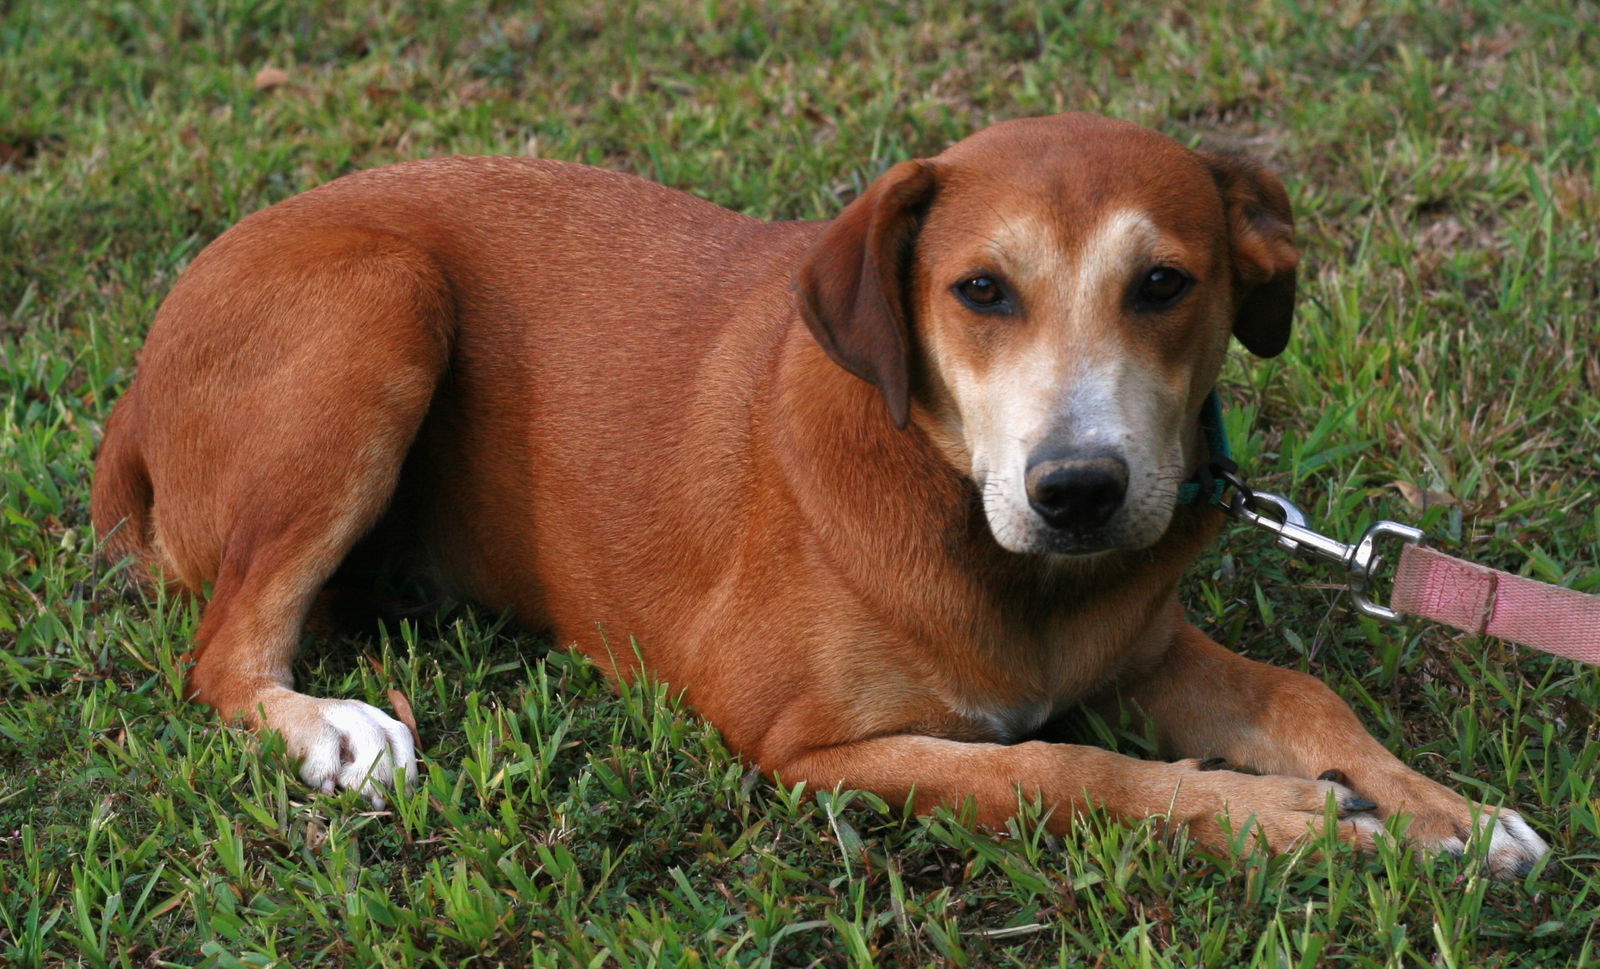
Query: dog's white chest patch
x=1006, y=722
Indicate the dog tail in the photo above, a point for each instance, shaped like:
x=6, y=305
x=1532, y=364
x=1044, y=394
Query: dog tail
x=122, y=498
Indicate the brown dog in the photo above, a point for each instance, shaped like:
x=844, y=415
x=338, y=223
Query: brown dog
x=881, y=494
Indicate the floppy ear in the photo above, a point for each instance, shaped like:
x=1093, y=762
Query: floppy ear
x=1261, y=228
x=851, y=284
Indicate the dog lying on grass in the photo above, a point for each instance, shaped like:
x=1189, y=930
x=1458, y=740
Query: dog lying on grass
x=881, y=495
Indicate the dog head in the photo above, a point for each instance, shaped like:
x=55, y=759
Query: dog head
x=1050, y=300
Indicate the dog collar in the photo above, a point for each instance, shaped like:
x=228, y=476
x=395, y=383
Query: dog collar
x=1207, y=485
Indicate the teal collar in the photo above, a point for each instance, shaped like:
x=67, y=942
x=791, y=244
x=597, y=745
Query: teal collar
x=1207, y=486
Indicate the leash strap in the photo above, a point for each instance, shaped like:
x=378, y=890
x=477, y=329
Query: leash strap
x=1485, y=601
x=1428, y=583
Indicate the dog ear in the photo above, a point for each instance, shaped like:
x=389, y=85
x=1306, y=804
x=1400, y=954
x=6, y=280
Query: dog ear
x=1261, y=228
x=851, y=284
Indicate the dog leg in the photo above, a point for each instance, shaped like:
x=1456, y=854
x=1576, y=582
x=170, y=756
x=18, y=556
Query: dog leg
x=247, y=640
x=289, y=411
x=1206, y=701
x=1218, y=807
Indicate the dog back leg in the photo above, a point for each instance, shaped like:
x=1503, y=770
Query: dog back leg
x=288, y=398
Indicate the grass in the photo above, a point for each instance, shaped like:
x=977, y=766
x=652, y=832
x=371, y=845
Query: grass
x=1440, y=154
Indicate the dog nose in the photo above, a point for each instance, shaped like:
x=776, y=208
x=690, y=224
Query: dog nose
x=1077, y=491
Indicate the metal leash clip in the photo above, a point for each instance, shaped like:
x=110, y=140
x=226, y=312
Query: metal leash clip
x=1284, y=519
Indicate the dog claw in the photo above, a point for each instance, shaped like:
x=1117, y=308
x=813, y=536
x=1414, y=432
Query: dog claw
x=1358, y=804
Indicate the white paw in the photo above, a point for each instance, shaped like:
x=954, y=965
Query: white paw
x=1514, y=848
x=343, y=744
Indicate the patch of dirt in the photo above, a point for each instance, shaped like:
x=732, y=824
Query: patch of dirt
x=19, y=151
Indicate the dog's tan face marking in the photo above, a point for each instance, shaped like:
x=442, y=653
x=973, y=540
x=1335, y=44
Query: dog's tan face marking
x=1074, y=362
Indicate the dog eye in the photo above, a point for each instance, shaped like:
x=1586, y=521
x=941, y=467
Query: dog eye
x=1162, y=286
x=981, y=293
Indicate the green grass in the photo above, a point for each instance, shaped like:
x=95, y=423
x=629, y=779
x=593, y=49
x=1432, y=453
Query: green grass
x=1441, y=158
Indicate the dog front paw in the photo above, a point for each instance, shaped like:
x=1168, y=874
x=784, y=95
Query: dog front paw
x=1514, y=847
x=1440, y=820
x=342, y=744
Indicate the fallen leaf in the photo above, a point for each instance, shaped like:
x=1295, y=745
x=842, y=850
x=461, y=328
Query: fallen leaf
x=1421, y=498
x=402, y=712
x=402, y=706
x=1442, y=235
x=269, y=78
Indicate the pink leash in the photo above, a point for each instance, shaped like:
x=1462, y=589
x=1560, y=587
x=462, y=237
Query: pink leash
x=1433, y=585
x=1488, y=602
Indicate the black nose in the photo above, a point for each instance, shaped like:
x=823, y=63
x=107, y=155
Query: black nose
x=1080, y=491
